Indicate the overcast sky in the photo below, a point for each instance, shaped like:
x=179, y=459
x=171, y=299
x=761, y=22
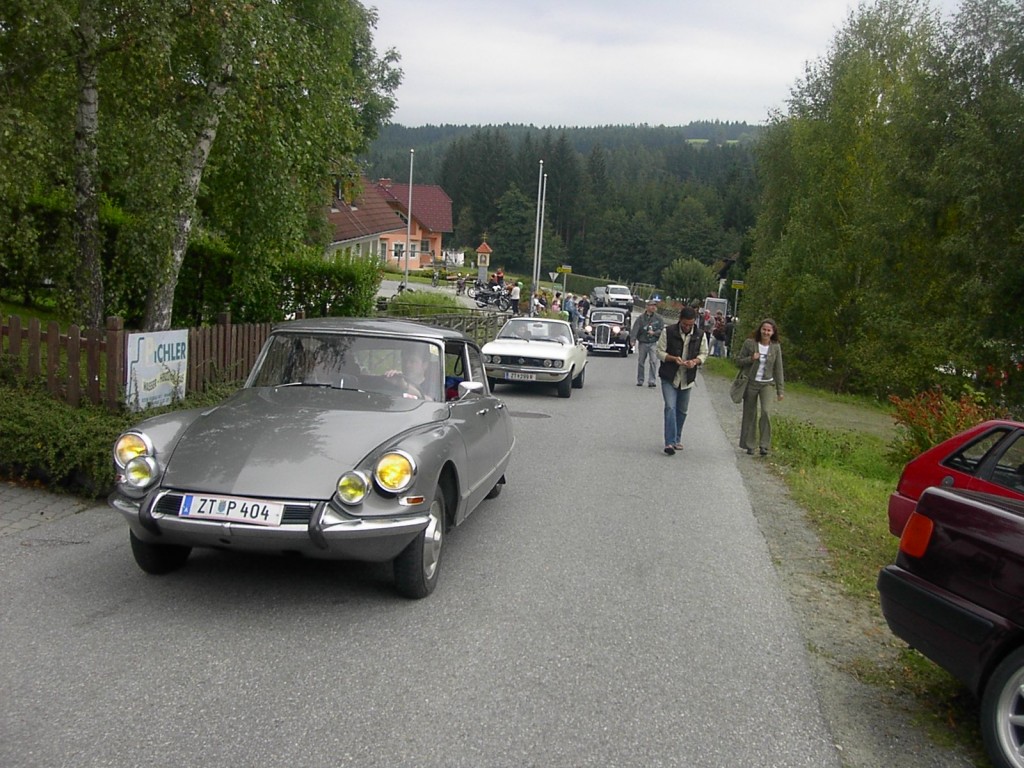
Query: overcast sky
x=602, y=62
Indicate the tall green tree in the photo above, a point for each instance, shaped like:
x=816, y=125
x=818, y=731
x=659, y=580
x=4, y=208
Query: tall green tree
x=513, y=235
x=258, y=106
x=688, y=280
x=838, y=215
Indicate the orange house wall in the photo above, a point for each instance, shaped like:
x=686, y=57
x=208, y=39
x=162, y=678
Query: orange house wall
x=417, y=236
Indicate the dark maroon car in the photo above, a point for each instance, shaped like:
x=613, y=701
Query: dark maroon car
x=985, y=458
x=956, y=594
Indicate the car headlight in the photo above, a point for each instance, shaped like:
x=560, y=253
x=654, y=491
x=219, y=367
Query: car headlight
x=394, y=471
x=588, y=329
x=140, y=472
x=548, y=363
x=353, y=487
x=616, y=329
x=131, y=445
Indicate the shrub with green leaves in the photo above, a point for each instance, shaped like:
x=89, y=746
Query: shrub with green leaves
x=64, y=447
x=929, y=417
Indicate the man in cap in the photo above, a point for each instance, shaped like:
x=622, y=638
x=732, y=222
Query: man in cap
x=644, y=336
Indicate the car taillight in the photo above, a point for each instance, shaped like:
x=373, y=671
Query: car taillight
x=916, y=535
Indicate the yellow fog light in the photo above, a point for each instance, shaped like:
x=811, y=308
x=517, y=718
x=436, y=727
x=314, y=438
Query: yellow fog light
x=131, y=445
x=394, y=471
x=140, y=472
x=352, y=487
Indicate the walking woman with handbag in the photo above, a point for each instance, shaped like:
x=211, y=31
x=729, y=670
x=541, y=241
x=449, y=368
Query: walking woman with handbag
x=761, y=359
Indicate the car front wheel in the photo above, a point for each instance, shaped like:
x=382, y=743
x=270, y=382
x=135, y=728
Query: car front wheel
x=158, y=559
x=1002, y=713
x=577, y=383
x=565, y=386
x=417, y=567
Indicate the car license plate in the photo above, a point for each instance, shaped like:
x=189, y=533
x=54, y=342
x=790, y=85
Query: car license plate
x=232, y=510
x=516, y=376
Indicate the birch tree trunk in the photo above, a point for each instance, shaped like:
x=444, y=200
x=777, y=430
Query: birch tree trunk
x=160, y=300
x=87, y=227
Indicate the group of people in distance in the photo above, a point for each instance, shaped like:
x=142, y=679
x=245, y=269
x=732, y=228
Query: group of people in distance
x=680, y=348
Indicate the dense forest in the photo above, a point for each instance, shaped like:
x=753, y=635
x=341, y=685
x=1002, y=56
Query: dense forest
x=620, y=201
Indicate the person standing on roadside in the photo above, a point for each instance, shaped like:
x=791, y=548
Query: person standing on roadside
x=514, y=296
x=583, y=309
x=644, y=336
x=761, y=358
x=682, y=349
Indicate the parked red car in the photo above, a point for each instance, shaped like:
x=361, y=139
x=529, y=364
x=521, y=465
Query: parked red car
x=987, y=458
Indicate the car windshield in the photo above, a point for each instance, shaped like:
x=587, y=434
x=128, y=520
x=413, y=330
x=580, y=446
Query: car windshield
x=620, y=289
x=347, y=361
x=603, y=316
x=536, y=330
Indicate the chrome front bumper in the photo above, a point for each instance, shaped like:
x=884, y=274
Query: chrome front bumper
x=327, y=535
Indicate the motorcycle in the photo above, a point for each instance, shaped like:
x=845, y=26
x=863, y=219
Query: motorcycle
x=498, y=297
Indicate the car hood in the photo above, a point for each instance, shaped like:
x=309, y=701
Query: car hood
x=288, y=442
x=521, y=348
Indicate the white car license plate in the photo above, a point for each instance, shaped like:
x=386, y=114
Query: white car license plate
x=516, y=376
x=232, y=510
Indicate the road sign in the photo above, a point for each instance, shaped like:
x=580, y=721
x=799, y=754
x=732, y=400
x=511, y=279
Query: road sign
x=566, y=268
x=553, y=275
x=738, y=285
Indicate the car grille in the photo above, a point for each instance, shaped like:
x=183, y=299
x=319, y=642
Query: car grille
x=294, y=514
x=602, y=334
x=530, y=362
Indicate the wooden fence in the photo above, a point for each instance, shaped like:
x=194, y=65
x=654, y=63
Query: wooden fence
x=89, y=366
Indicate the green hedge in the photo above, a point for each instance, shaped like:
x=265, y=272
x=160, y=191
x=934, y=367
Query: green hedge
x=47, y=441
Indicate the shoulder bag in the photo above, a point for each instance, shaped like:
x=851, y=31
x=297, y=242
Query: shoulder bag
x=739, y=386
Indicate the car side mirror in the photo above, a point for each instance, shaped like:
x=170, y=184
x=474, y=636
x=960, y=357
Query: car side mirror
x=466, y=387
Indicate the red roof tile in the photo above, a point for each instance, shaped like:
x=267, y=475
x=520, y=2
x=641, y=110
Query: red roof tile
x=431, y=207
x=369, y=214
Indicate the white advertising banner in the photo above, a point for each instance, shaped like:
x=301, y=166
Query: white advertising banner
x=157, y=367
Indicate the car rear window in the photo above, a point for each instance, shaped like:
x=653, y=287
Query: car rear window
x=1009, y=470
x=971, y=456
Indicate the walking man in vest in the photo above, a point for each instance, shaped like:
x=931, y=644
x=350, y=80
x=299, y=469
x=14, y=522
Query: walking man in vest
x=644, y=334
x=681, y=349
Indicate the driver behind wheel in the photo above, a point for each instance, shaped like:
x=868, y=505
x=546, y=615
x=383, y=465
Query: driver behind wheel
x=418, y=377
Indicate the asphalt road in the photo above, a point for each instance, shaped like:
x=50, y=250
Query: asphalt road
x=613, y=607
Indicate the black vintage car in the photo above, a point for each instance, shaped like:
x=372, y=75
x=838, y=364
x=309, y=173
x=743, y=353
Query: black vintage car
x=607, y=330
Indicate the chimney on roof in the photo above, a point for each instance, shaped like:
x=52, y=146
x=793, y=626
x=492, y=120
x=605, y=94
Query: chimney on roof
x=384, y=183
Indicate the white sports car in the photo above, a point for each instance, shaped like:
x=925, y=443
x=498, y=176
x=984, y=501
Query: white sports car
x=536, y=349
